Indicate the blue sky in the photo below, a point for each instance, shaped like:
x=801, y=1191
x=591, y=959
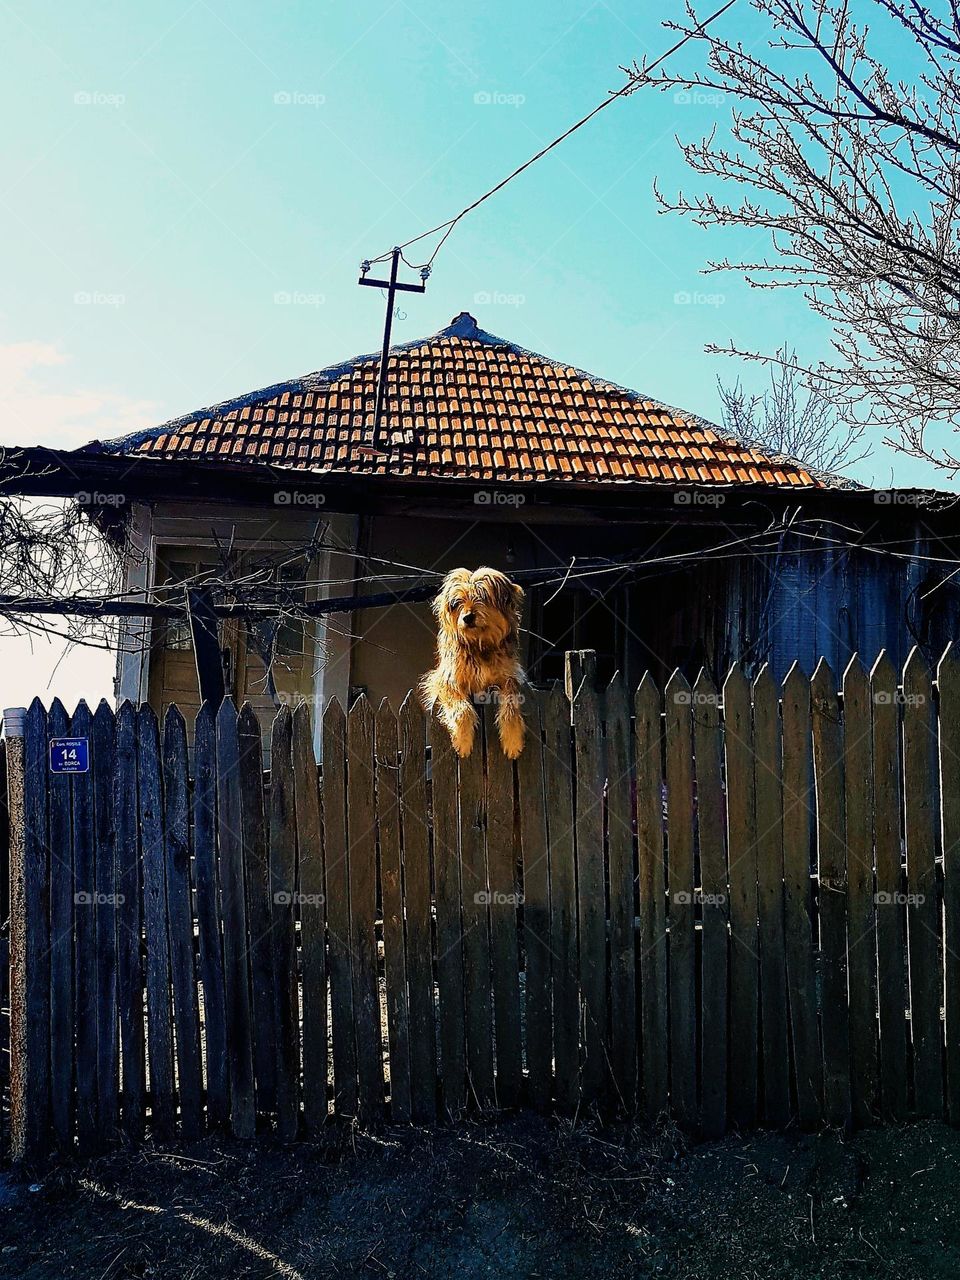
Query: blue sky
x=172, y=173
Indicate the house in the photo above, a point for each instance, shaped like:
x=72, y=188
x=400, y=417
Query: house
x=667, y=542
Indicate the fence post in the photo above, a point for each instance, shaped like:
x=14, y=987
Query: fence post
x=13, y=720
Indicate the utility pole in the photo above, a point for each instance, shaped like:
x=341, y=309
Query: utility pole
x=393, y=287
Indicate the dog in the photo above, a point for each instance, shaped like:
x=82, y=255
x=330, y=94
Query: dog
x=477, y=645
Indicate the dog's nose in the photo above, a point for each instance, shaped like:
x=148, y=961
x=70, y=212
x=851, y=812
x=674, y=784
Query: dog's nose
x=468, y=619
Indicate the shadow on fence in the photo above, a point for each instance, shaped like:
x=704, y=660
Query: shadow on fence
x=736, y=906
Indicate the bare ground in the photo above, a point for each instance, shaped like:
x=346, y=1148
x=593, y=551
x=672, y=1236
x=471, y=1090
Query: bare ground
x=518, y=1197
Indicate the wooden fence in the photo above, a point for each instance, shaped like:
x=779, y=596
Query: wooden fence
x=736, y=906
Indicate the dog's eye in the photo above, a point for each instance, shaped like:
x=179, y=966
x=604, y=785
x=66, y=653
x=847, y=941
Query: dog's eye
x=455, y=604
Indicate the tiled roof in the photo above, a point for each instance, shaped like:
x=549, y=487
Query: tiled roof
x=467, y=405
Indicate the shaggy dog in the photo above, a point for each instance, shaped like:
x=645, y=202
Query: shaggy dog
x=479, y=617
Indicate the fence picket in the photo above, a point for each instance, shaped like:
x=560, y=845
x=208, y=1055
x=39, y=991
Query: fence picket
x=363, y=906
x=283, y=888
x=446, y=856
x=861, y=924
x=623, y=952
x=831, y=857
x=336, y=854
x=891, y=909
x=591, y=899
x=159, y=1027
x=41, y=953
x=85, y=935
x=681, y=907
x=502, y=856
x=180, y=923
x=714, y=957
x=417, y=907
x=104, y=764
x=256, y=860
x=744, y=937
x=653, y=923
x=798, y=813
x=313, y=946
x=233, y=899
x=391, y=880
x=948, y=683
x=923, y=909
x=475, y=890
x=768, y=771
x=129, y=928
x=61, y=930
x=208, y=915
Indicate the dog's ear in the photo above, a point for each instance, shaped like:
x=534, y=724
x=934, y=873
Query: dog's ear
x=453, y=579
x=518, y=597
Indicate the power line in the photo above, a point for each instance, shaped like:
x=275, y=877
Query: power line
x=632, y=84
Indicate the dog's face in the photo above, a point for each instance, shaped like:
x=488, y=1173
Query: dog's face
x=481, y=608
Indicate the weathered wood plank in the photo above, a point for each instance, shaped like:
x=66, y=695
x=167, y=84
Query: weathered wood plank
x=591, y=898
x=502, y=856
x=861, y=923
x=681, y=956
x=923, y=907
x=235, y=941
x=475, y=888
x=283, y=891
x=653, y=923
x=42, y=873
x=313, y=947
x=623, y=885
x=129, y=928
x=85, y=941
x=446, y=862
x=159, y=1026
x=208, y=916
x=798, y=813
x=773, y=967
x=61, y=906
x=714, y=958
x=558, y=789
x=186, y=1020
x=535, y=858
x=418, y=910
x=391, y=880
x=108, y=1077
x=831, y=857
x=258, y=908
x=336, y=853
x=948, y=681
x=744, y=937
x=891, y=907
x=361, y=814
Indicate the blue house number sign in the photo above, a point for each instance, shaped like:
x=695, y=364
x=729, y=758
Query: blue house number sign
x=69, y=755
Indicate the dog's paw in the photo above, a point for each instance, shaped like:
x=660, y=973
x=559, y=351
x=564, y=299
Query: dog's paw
x=462, y=739
x=511, y=739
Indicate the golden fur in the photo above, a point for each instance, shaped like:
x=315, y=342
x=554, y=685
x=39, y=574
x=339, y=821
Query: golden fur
x=477, y=646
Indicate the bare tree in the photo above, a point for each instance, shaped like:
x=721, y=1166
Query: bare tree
x=855, y=174
x=795, y=416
